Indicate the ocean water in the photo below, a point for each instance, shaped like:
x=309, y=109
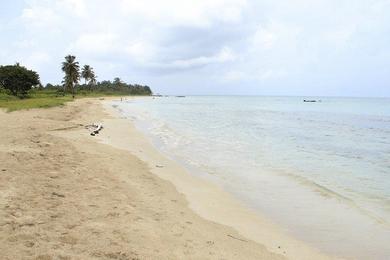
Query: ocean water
x=320, y=170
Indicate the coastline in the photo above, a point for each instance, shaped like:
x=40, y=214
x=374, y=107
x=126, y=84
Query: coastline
x=67, y=195
x=319, y=187
x=204, y=198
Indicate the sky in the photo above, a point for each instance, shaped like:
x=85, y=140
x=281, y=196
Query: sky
x=208, y=47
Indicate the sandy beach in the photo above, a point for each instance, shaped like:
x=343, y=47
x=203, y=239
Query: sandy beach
x=67, y=195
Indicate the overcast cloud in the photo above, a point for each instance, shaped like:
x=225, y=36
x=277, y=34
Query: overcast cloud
x=297, y=47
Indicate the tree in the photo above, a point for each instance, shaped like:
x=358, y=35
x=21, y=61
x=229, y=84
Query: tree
x=17, y=79
x=93, y=79
x=89, y=75
x=117, y=81
x=86, y=73
x=72, y=75
x=118, y=84
x=49, y=86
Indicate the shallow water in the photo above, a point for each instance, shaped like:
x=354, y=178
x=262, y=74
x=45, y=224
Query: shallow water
x=321, y=170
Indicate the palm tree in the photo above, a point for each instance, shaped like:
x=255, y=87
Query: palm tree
x=117, y=81
x=86, y=73
x=92, y=80
x=72, y=75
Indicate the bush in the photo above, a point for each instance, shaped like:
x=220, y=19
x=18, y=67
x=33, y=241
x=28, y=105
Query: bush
x=60, y=92
x=17, y=79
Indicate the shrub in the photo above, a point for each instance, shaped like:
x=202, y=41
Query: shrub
x=17, y=79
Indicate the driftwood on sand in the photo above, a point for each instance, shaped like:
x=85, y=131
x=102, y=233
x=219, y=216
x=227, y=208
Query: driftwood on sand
x=94, y=128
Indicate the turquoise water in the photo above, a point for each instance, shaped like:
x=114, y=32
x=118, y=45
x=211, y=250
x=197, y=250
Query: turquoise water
x=320, y=170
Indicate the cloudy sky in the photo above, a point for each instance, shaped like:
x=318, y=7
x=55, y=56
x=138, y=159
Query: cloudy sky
x=263, y=47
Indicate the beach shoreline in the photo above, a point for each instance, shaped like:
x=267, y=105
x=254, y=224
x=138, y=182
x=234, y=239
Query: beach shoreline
x=205, y=198
x=68, y=195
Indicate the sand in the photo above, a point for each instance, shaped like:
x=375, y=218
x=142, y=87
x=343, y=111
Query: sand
x=67, y=195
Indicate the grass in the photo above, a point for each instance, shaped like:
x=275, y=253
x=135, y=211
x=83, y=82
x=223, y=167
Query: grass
x=29, y=103
x=35, y=99
x=45, y=99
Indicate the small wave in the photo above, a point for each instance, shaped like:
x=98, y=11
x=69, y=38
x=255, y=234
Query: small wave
x=332, y=194
x=322, y=190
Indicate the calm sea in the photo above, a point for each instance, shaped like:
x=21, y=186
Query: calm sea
x=321, y=170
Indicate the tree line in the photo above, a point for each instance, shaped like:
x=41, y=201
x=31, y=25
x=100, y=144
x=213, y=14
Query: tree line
x=17, y=80
x=72, y=76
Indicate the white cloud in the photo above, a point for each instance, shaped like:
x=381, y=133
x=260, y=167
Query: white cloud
x=340, y=37
x=77, y=7
x=141, y=51
x=201, y=13
x=37, y=59
x=93, y=43
x=234, y=75
x=224, y=55
x=38, y=15
x=263, y=38
x=267, y=41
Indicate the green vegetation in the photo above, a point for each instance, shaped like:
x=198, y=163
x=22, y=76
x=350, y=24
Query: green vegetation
x=72, y=75
x=17, y=79
x=20, y=88
x=88, y=75
x=91, y=87
x=117, y=87
x=35, y=99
